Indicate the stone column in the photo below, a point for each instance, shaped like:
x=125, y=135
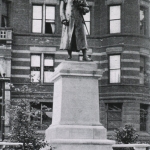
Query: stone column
x=75, y=122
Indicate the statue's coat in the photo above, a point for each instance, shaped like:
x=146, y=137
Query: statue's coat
x=76, y=25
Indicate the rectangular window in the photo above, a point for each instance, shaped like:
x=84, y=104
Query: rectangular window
x=115, y=19
x=48, y=67
x=50, y=20
x=143, y=20
x=142, y=69
x=43, y=113
x=37, y=19
x=143, y=116
x=42, y=66
x=43, y=19
x=35, y=68
x=87, y=19
x=114, y=115
x=114, y=69
x=3, y=35
x=4, y=21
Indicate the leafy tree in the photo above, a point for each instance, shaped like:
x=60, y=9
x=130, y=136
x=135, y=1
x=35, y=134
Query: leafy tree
x=23, y=130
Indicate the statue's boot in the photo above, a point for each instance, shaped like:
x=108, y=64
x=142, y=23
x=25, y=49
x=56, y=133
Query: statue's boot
x=85, y=57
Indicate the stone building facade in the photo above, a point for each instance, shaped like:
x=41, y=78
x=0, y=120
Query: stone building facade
x=124, y=55
x=118, y=41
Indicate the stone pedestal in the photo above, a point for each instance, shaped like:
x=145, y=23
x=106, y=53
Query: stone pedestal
x=75, y=124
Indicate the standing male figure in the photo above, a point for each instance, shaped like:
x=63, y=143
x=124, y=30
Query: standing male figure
x=73, y=31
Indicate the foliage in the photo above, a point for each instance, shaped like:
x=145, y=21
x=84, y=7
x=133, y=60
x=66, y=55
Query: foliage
x=126, y=135
x=23, y=130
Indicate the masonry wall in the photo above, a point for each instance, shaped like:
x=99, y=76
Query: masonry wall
x=130, y=45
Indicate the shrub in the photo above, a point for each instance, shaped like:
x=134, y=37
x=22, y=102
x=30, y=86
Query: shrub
x=126, y=135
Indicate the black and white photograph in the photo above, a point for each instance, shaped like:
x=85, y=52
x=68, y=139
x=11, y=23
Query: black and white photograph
x=74, y=74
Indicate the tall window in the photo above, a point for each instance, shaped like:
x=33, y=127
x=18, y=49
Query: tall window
x=43, y=111
x=35, y=68
x=42, y=66
x=48, y=67
x=143, y=20
x=87, y=22
x=114, y=69
x=143, y=116
x=114, y=115
x=142, y=70
x=115, y=19
x=50, y=19
x=43, y=20
x=4, y=21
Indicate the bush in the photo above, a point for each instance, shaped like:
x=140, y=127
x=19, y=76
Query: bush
x=125, y=135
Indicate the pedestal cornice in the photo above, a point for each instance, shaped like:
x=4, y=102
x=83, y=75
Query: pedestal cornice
x=72, y=68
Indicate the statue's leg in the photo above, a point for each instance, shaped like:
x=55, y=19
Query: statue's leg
x=73, y=45
x=69, y=54
x=85, y=57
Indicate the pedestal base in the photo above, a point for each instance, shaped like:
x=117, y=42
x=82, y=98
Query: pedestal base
x=75, y=124
x=83, y=144
x=76, y=137
x=75, y=132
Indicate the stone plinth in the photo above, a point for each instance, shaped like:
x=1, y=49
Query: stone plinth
x=75, y=122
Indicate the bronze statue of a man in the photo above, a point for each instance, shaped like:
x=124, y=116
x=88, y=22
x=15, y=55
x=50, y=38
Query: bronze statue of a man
x=73, y=31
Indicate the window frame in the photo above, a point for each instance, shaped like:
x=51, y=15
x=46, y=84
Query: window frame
x=144, y=74
x=53, y=68
x=145, y=117
x=31, y=66
x=42, y=66
x=146, y=20
x=43, y=18
x=114, y=69
x=32, y=105
x=4, y=18
x=115, y=19
x=37, y=19
x=107, y=111
x=49, y=19
x=88, y=22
